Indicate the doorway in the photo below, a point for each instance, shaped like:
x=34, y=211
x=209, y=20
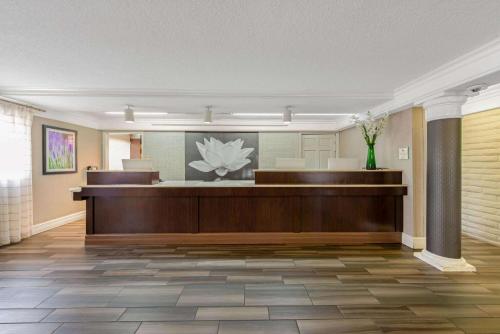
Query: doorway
x=317, y=148
x=118, y=146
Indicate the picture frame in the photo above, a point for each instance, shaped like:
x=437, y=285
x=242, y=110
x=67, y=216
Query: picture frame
x=59, y=150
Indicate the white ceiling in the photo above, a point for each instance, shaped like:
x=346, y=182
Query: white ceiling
x=255, y=55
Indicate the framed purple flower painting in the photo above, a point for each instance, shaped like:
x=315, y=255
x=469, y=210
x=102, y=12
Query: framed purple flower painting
x=59, y=150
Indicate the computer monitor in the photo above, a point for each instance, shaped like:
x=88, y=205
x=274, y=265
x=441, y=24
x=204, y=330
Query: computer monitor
x=290, y=163
x=137, y=164
x=343, y=164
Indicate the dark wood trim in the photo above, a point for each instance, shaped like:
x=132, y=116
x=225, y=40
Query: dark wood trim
x=328, y=177
x=89, y=216
x=282, y=191
x=399, y=213
x=122, y=177
x=258, y=209
x=243, y=238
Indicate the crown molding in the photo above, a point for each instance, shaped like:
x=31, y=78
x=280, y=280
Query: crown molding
x=474, y=65
x=230, y=125
x=344, y=124
x=470, y=66
x=117, y=92
x=77, y=118
x=444, y=107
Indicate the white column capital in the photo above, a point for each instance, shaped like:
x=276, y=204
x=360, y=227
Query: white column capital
x=449, y=106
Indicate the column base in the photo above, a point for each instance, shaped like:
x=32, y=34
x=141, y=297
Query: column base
x=444, y=263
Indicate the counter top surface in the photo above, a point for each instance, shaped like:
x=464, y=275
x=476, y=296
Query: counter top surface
x=122, y=171
x=234, y=184
x=328, y=170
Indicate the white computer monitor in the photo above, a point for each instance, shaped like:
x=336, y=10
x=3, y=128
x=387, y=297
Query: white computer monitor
x=343, y=164
x=137, y=164
x=290, y=163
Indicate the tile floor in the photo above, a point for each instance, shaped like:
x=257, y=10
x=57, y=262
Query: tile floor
x=51, y=283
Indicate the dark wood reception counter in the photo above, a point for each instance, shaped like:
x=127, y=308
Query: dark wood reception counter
x=327, y=176
x=122, y=177
x=235, y=212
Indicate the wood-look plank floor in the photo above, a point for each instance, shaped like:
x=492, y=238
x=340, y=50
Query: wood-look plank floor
x=51, y=283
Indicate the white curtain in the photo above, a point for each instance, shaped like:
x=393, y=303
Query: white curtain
x=16, y=206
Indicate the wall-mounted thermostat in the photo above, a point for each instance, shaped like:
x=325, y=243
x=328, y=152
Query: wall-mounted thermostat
x=403, y=153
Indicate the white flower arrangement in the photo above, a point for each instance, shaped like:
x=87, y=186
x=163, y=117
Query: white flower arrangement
x=221, y=157
x=371, y=127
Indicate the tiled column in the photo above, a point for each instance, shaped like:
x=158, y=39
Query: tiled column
x=444, y=183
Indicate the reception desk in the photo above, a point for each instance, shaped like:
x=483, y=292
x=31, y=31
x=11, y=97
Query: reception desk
x=99, y=177
x=327, y=176
x=235, y=212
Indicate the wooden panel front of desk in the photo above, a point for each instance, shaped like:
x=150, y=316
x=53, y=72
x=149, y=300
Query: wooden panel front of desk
x=382, y=176
x=273, y=214
x=104, y=177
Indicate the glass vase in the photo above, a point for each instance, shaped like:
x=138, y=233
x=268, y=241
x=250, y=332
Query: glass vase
x=371, y=164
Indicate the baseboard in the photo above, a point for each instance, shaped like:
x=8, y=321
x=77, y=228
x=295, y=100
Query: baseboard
x=53, y=223
x=445, y=263
x=413, y=242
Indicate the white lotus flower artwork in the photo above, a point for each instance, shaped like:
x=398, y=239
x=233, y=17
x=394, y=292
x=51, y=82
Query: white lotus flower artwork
x=221, y=157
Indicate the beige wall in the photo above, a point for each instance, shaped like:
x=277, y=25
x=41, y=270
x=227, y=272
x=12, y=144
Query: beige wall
x=481, y=175
x=352, y=145
x=51, y=196
x=398, y=133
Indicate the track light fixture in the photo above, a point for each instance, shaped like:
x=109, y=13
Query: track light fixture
x=129, y=115
x=256, y=114
x=207, y=118
x=287, y=115
x=322, y=114
x=137, y=113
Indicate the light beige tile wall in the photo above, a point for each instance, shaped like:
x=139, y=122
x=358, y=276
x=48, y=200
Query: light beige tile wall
x=481, y=175
x=51, y=196
x=274, y=145
x=167, y=150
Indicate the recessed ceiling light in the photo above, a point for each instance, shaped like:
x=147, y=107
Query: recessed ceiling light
x=322, y=114
x=152, y=113
x=476, y=89
x=267, y=114
x=221, y=125
x=137, y=113
x=258, y=114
